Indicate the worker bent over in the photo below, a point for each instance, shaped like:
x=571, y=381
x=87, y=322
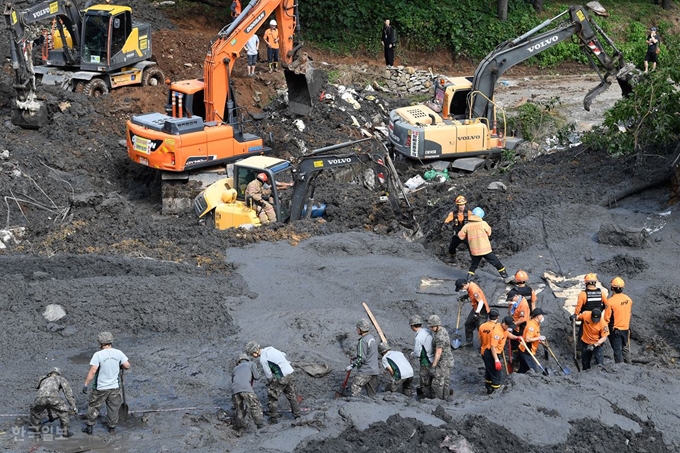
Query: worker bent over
x=492, y=338
x=260, y=192
x=477, y=233
x=48, y=399
x=518, y=308
x=398, y=367
x=480, y=307
x=365, y=362
x=242, y=394
x=595, y=333
x=424, y=352
x=532, y=337
x=443, y=359
x=617, y=317
x=279, y=373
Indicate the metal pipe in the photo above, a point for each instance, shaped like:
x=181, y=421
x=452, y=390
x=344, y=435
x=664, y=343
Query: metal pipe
x=537, y=28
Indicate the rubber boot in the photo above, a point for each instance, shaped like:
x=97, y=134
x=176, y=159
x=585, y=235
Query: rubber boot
x=276, y=66
x=504, y=275
x=88, y=429
x=271, y=67
x=67, y=433
x=112, y=430
x=470, y=276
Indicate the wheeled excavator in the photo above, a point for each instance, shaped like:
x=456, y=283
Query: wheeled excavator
x=462, y=120
x=225, y=203
x=90, y=51
x=203, y=125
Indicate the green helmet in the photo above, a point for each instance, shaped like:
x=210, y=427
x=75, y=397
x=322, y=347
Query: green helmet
x=434, y=321
x=105, y=338
x=415, y=320
x=383, y=347
x=252, y=347
x=241, y=358
x=364, y=325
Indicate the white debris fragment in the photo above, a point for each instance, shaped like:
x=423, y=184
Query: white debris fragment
x=355, y=123
x=497, y=185
x=415, y=182
x=54, y=312
x=4, y=154
x=299, y=124
x=347, y=97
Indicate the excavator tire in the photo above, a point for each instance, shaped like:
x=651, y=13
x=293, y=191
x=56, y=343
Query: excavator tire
x=79, y=87
x=96, y=88
x=152, y=76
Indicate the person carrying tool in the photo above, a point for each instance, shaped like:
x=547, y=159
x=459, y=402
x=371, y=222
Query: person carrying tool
x=532, y=337
x=279, y=373
x=492, y=338
x=398, y=367
x=459, y=218
x=588, y=300
x=365, y=362
x=617, y=317
x=521, y=278
x=424, y=352
x=480, y=307
x=477, y=233
x=595, y=333
x=271, y=38
x=105, y=366
x=243, y=396
x=518, y=308
x=260, y=192
x=48, y=399
x=443, y=359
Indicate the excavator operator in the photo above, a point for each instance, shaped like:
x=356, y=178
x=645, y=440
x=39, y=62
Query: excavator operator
x=259, y=192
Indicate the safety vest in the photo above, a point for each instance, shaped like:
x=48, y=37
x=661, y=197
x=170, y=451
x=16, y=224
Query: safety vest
x=593, y=300
x=456, y=223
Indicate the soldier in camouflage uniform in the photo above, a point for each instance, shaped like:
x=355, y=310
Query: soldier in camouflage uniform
x=365, y=362
x=279, y=374
x=48, y=399
x=443, y=358
x=242, y=394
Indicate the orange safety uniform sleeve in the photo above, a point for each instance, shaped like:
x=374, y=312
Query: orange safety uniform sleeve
x=449, y=218
x=476, y=295
x=532, y=330
x=521, y=313
x=477, y=234
x=485, y=335
x=592, y=332
x=498, y=338
x=579, y=302
x=618, y=311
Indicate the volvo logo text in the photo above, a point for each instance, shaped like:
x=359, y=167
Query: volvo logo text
x=346, y=160
x=255, y=22
x=543, y=43
x=41, y=13
x=470, y=137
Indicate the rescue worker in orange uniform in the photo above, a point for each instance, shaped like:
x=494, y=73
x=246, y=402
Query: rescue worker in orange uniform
x=459, y=218
x=521, y=278
x=589, y=299
x=235, y=9
x=617, y=317
x=518, y=308
x=477, y=233
x=271, y=38
x=595, y=333
x=492, y=338
x=480, y=307
x=532, y=337
x=260, y=192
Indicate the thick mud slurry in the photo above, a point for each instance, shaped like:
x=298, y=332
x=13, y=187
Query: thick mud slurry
x=182, y=300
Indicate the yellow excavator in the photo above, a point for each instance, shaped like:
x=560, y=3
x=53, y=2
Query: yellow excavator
x=90, y=51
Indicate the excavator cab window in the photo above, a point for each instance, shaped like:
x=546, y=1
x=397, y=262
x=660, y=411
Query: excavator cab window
x=243, y=177
x=457, y=100
x=95, y=38
x=121, y=29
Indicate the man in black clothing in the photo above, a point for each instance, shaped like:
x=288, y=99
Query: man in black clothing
x=389, y=41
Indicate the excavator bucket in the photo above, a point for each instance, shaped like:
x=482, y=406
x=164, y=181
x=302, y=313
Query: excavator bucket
x=305, y=85
x=29, y=114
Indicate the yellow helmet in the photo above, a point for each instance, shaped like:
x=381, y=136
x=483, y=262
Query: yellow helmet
x=590, y=279
x=617, y=282
x=460, y=199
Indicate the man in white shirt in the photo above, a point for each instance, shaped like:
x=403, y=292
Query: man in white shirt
x=105, y=366
x=424, y=353
x=398, y=367
x=252, y=52
x=279, y=373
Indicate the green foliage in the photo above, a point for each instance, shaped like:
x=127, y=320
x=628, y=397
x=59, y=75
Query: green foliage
x=539, y=120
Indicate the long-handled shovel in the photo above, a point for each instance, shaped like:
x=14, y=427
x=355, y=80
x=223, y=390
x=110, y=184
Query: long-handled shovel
x=455, y=344
x=573, y=332
x=344, y=386
x=510, y=367
x=545, y=372
x=565, y=370
x=505, y=362
x=123, y=412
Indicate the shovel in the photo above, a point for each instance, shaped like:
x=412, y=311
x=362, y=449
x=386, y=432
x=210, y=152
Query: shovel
x=123, y=411
x=545, y=372
x=344, y=386
x=565, y=370
x=573, y=332
x=509, y=366
x=455, y=344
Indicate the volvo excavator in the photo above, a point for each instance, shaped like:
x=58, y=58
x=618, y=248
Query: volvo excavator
x=225, y=203
x=90, y=51
x=203, y=125
x=462, y=120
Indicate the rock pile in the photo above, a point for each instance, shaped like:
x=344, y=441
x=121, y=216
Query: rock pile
x=407, y=79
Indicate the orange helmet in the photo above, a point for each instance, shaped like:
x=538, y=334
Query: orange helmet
x=590, y=278
x=618, y=282
x=521, y=276
x=461, y=200
x=262, y=177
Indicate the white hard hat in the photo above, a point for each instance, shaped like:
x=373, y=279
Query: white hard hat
x=272, y=22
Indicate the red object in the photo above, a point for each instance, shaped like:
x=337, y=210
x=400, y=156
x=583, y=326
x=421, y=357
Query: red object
x=322, y=95
x=498, y=366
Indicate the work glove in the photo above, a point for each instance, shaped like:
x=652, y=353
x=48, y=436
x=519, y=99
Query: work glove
x=497, y=364
x=572, y=317
x=85, y=389
x=74, y=411
x=464, y=297
x=590, y=347
x=349, y=368
x=541, y=338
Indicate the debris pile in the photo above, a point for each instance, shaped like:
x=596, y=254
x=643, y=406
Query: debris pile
x=407, y=79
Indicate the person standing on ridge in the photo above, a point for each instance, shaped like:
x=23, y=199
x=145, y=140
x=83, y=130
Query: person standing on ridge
x=617, y=317
x=477, y=233
x=389, y=42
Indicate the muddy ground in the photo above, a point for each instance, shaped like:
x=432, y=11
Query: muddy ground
x=182, y=300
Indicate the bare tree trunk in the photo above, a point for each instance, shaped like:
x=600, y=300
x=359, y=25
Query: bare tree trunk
x=666, y=4
x=503, y=10
x=538, y=6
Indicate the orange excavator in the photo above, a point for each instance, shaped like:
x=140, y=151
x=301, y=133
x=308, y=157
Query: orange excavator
x=203, y=125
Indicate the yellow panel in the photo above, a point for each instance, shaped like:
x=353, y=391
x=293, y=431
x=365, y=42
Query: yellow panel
x=418, y=114
x=133, y=43
x=445, y=136
x=472, y=137
x=233, y=215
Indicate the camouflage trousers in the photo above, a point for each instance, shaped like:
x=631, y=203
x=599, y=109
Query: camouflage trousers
x=405, y=385
x=425, y=382
x=369, y=381
x=55, y=407
x=113, y=399
x=245, y=402
x=441, y=380
x=275, y=388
